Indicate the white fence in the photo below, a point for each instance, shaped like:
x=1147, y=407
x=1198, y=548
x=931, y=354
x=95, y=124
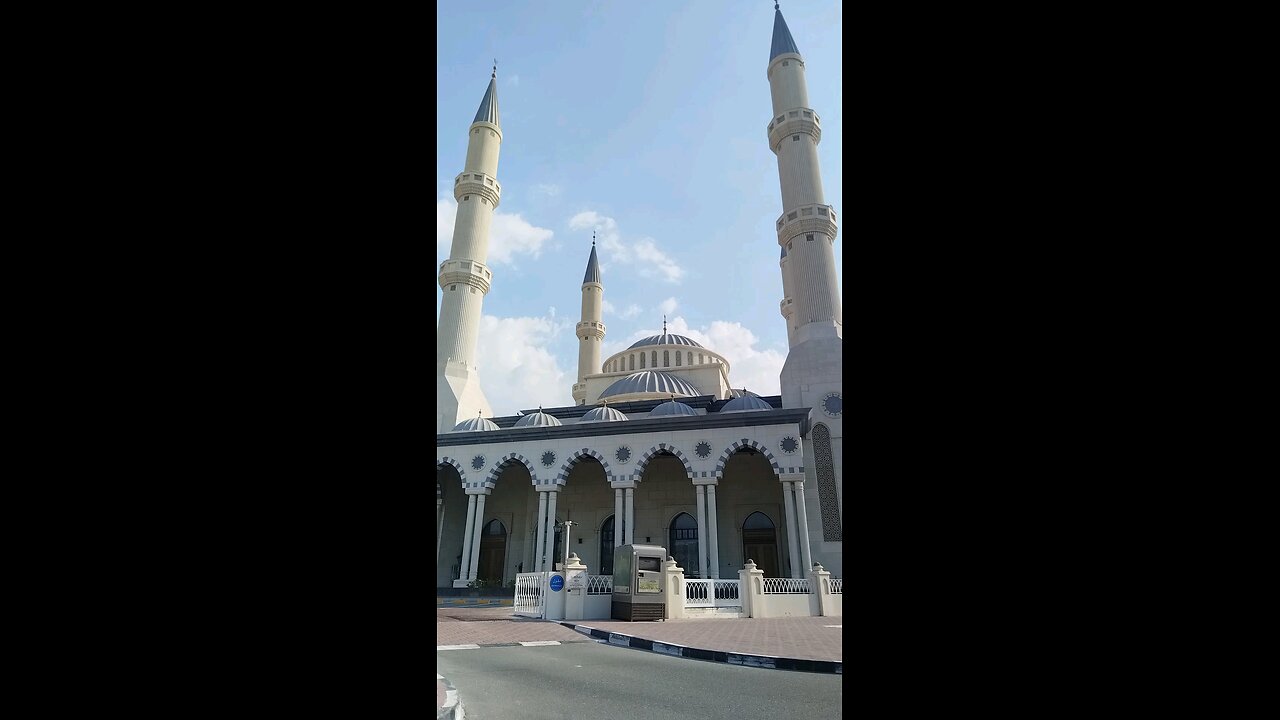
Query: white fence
x=712, y=593
x=599, y=584
x=529, y=600
x=783, y=586
x=837, y=586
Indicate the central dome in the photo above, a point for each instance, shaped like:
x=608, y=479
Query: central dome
x=665, y=339
x=650, y=381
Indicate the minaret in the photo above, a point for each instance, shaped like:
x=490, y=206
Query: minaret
x=591, y=330
x=812, y=374
x=464, y=277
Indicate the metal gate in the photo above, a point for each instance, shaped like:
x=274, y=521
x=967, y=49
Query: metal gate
x=530, y=600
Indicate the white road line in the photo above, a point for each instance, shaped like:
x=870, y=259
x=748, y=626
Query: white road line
x=540, y=643
x=457, y=647
x=839, y=626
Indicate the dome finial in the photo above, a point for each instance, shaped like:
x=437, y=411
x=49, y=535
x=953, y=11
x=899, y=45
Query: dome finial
x=593, y=238
x=775, y=7
x=495, y=69
x=664, y=324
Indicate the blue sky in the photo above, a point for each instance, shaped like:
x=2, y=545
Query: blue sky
x=647, y=123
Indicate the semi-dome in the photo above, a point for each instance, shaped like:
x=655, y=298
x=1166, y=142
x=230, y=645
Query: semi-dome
x=603, y=413
x=665, y=339
x=673, y=407
x=538, y=419
x=650, y=381
x=745, y=402
x=474, y=424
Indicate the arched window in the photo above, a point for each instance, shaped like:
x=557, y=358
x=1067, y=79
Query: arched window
x=666, y=358
x=653, y=360
x=641, y=361
x=606, y=546
x=633, y=361
x=700, y=359
x=690, y=357
x=760, y=543
x=677, y=358
x=683, y=544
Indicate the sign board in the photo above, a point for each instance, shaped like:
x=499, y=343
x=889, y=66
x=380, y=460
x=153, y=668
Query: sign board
x=647, y=585
x=577, y=580
x=557, y=583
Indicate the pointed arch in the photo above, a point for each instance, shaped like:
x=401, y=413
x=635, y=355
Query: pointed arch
x=456, y=466
x=502, y=464
x=739, y=445
x=563, y=476
x=649, y=454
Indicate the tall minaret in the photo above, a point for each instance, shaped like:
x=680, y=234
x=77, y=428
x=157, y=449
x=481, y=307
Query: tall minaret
x=464, y=277
x=812, y=374
x=591, y=330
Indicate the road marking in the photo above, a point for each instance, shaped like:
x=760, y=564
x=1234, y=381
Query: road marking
x=540, y=643
x=457, y=647
x=837, y=626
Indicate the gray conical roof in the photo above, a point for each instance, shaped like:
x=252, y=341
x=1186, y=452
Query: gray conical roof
x=593, y=268
x=488, y=111
x=782, y=40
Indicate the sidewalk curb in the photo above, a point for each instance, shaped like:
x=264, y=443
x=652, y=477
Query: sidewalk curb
x=452, y=709
x=732, y=658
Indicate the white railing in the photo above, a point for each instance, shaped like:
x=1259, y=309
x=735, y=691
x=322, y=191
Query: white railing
x=837, y=586
x=780, y=586
x=712, y=593
x=529, y=600
x=599, y=584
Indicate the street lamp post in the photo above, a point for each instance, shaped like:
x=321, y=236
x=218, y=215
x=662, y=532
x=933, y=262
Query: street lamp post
x=567, y=524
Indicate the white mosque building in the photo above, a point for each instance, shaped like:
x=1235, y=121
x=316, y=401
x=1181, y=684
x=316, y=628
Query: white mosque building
x=659, y=448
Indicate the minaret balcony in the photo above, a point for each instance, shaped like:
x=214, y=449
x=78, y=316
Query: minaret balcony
x=807, y=219
x=794, y=122
x=589, y=328
x=787, y=307
x=465, y=272
x=486, y=186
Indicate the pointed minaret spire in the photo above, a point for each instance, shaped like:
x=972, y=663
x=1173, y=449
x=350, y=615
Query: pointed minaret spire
x=488, y=111
x=782, y=40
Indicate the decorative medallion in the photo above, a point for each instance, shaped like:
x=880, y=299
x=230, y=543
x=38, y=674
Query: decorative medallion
x=703, y=449
x=832, y=404
x=623, y=454
x=548, y=458
x=790, y=445
x=477, y=462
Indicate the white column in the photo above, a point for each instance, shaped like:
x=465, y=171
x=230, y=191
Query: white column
x=702, y=530
x=475, y=536
x=631, y=517
x=550, y=547
x=793, y=544
x=536, y=565
x=466, y=537
x=713, y=541
x=804, y=528
x=617, y=517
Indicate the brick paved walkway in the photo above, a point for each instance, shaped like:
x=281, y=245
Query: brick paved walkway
x=806, y=638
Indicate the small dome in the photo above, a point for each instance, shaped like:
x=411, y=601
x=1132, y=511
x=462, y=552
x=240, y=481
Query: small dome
x=672, y=407
x=745, y=402
x=650, y=381
x=538, y=419
x=474, y=424
x=603, y=413
x=665, y=339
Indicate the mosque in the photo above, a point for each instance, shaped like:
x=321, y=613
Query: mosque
x=659, y=447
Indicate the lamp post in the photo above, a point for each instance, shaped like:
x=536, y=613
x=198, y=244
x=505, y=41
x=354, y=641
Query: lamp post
x=567, y=524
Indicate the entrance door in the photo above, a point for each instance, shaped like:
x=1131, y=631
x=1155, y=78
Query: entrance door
x=760, y=543
x=493, y=551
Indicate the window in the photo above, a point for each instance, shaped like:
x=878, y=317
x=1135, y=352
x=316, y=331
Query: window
x=452, y=288
x=808, y=237
x=466, y=198
x=786, y=63
x=795, y=138
x=700, y=359
x=793, y=113
x=641, y=361
x=683, y=544
x=653, y=360
x=690, y=357
x=633, y=362
x=606, y=546
x=677, y=358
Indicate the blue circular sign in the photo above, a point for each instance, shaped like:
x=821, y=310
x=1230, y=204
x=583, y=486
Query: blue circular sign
x=557, y=583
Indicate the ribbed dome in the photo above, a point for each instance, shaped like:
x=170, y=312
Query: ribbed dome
x=665, y=339
x=746, y=402
x=603, y=414
x=538, y=419
x=672, y=407
x=650, y=381
x=739, y=393
x=473, y=424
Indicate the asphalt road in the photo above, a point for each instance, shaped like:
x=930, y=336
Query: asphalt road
x=590, y=680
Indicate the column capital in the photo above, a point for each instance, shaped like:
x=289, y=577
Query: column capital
x=791, y=477
x=623, y=484
x=479, y=491
x=706, y=481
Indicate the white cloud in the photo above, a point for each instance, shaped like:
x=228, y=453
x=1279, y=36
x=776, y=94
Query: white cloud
x=643, y=254
x=548, y=189
x=509, y=234
x=749, y=366
x=517, y=368
x=608, y=308
x=668, y=306
x=632, y=311
x=513, y=80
